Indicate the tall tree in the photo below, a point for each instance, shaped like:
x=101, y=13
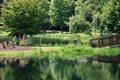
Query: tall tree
x=96, y=23
x=44, y=18
x=60, y=11
x=111, y=16
x=80, y=22
x=22, y=17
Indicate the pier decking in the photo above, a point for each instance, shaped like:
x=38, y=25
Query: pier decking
x=112, y=41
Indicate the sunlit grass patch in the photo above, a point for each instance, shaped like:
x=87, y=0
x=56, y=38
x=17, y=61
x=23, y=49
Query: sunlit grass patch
x=72, y=52
x=107, y=51
x=21, y=53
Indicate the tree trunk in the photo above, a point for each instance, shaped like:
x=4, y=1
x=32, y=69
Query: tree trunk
x=7, y=42
x=3, y=44
x=18, y=36
x=61, y=30
x=13, y=45
x=17, y=43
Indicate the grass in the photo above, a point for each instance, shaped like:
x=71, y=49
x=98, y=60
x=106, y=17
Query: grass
x=107, y=51
x=61, y=46
x=57, y=39
x=54, y=39
x=29, y=53
x=69, y=52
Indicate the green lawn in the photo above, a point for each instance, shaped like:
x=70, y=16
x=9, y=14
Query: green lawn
x=60, y=45
x=66, y=52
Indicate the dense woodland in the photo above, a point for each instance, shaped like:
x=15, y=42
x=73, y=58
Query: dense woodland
x=77, y=16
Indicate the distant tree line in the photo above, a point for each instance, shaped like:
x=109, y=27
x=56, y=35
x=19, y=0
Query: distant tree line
x=77, y=16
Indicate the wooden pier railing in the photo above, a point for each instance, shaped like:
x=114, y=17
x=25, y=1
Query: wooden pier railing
x=112, y=41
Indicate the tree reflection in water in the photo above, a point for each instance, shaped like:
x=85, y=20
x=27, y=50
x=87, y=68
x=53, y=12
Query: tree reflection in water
x=58, y=69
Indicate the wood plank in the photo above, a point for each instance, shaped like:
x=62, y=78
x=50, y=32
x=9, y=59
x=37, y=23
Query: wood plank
x=113, y=40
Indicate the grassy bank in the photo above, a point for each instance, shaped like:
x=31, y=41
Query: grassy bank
x=70, y=52
x=54, y=39
x=59, y=45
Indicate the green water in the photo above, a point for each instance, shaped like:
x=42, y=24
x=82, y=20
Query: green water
x=58, y=69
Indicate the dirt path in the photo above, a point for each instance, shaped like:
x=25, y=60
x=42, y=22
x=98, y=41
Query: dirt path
x=16, y=48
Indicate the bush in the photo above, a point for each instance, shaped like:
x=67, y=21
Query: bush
x=2, y=38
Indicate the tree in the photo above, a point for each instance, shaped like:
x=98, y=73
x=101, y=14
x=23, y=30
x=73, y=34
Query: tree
x=96, y=22
x=60, y=11
x=44, y=18
x=78, y=24
x=111, y=16
x=22, y=17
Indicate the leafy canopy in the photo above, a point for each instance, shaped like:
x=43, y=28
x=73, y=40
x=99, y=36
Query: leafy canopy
x=60, y=11
x=111, y=16
x=22, y=16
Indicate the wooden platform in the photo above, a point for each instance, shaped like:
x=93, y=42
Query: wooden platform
x=112, y=41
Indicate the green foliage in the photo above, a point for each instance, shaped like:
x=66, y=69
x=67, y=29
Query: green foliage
x=100, y=14
x=1, y=31
x=83, y=8
x=44, y=17
x=96, y=22
x=78, y=24
x=111, y=16
x=60, y=11
x=56, y=39
x=2, y=38
x=22, y=16
x=23, y=42
x=30, y=17
x=91, y=10
x=107, y=51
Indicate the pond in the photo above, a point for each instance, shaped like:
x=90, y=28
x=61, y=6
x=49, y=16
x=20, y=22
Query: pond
x=58, y=69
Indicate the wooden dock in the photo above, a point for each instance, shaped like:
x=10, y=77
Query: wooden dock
x=112, y=41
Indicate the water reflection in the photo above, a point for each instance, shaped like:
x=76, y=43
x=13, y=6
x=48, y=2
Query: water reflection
x=57, y=69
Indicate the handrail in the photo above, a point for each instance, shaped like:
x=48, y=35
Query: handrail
x=111, y=41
